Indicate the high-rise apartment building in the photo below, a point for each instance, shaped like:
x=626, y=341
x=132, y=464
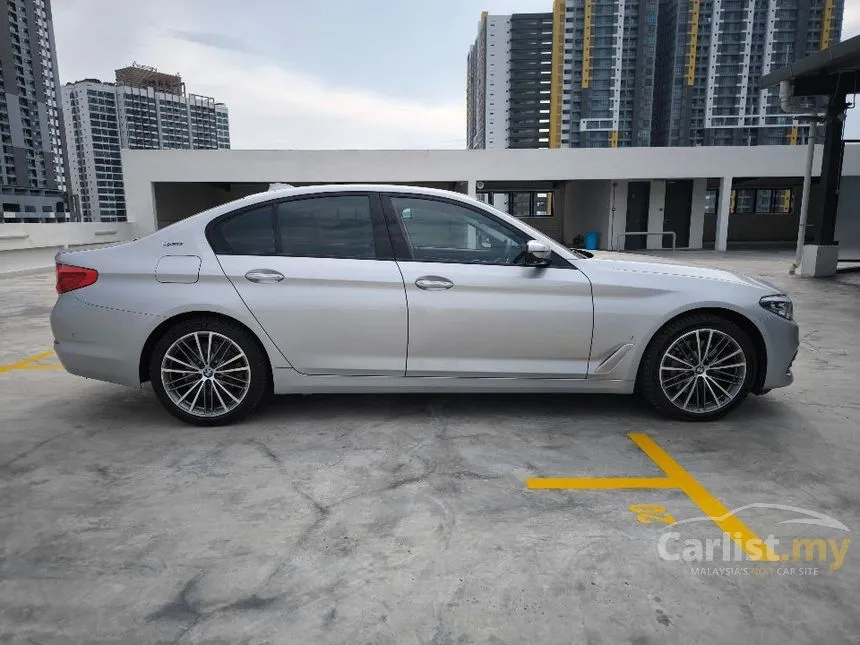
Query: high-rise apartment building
x=604, y=93
x=610, y=73
x=33, y=163
x=713, y=53
x=581, y=76
x=509, y=80
x=144, y=109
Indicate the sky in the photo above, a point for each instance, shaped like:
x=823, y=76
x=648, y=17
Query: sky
x=305, y=74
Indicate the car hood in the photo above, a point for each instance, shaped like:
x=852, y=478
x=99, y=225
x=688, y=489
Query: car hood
x=659, y=266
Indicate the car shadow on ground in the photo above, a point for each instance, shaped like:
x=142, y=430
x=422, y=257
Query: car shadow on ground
x=126, y=408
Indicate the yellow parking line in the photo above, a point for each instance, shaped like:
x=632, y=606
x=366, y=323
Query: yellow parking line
x=28, y=363
x=719, y=514
x=676, y=478
x=41, y=367
x=583, y=483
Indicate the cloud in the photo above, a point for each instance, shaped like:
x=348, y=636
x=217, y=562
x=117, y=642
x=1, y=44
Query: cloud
x=211, y=39
x=272, y=104
x=275, y=107
x=851, y=19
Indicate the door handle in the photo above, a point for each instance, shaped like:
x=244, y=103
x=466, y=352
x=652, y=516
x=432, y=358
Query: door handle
x=264, y=276
x=433, y=283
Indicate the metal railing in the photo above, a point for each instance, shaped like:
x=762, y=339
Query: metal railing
x=646, y=233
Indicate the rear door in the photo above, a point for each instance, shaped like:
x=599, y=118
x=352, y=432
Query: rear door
x=319, y=275
x=475, y=309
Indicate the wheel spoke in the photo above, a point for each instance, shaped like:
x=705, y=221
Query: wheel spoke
x=227, y=362
x=678, y=378
x=725, y=358
x=199, y=349
x=196, y=396
x=190, y=390
x=683, y=389
x=722, y=389
x=187, y=352
x=226, y=391
x=730, y=380
x=692, y=389
x=675, y=358
x=727, y=367
x=221, y=400
x=708, y=345
x=713, y=394
x=219, y=355
x=232, y=381
x=176, y=360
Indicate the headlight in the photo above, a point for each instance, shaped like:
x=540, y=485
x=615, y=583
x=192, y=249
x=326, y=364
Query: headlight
x=779, y=305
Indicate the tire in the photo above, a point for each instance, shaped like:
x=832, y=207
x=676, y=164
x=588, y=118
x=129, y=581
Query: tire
x=205, y=395
x=714, y=377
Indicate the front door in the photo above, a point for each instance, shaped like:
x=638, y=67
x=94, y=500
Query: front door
x=679, y=202
x=638, y=201
x=474, y=308
x=318, y=274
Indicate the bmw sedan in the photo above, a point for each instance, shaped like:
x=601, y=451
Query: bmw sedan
x=370, y=288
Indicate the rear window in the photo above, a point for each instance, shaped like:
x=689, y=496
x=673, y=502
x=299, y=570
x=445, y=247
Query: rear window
x=249, y=233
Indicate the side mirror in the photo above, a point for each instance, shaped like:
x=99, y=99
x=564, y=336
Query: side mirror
x=537, y=254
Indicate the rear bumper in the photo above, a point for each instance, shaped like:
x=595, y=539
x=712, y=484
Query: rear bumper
x=98, y=342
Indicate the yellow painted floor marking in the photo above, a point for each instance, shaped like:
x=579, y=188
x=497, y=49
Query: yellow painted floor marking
x=720, y=515
x=676, y=478
x=599, y=482
x=30, y=363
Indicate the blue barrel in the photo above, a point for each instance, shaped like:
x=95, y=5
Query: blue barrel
x=592, y=240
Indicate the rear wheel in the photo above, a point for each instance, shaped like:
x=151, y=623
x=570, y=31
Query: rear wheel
x=698, y=368
x=208, y=371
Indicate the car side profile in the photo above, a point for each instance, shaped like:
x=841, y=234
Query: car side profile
x=369, y=288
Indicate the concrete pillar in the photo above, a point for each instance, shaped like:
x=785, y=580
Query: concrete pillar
x=617, y=215
x=819, y=261
x=472, y=188
x=697, y=213
x=722, y=232
x=656, y=205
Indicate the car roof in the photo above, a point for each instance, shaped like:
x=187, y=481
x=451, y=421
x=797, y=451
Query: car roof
x=278, y=193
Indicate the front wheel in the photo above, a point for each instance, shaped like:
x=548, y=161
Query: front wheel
x=208, y=371
x=698, y=368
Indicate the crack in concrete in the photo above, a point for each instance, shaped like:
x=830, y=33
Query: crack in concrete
x=30, y=451
x=266, y=450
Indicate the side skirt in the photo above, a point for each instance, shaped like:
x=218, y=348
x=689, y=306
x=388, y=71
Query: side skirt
x=288, y=381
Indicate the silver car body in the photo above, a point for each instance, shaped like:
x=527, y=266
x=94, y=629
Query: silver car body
x=343, y=325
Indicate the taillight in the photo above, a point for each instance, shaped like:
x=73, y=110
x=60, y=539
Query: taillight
x=70, y=277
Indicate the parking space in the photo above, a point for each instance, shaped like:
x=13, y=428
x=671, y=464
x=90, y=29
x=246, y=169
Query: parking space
x=432, y=519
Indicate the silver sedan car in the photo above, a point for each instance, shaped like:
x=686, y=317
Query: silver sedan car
x=370, y=288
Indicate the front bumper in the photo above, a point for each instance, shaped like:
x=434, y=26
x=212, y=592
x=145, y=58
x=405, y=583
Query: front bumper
x=783, y=340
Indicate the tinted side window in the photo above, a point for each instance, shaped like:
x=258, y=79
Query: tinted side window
x=339, y=226
x=248, y=233
x=444, y=232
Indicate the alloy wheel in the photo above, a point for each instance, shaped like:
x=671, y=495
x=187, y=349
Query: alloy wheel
x=703, y=370
x=205, y=374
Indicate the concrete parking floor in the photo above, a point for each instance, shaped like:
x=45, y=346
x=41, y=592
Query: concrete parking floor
x=407, y=519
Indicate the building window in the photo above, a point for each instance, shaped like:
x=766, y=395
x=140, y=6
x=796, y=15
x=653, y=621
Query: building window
x=764, y=201
x=743, y=201
x=711, y=198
